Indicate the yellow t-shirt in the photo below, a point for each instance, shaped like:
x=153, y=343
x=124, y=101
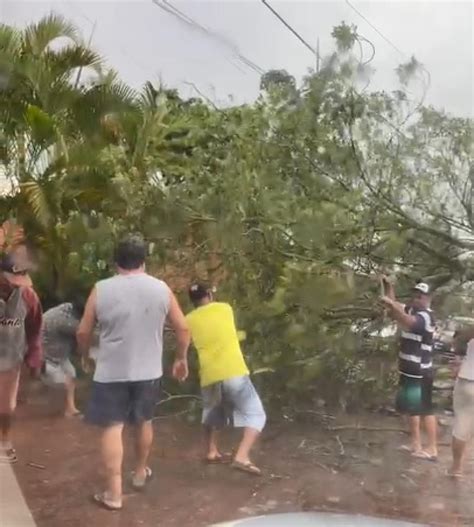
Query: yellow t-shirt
x=216, y=340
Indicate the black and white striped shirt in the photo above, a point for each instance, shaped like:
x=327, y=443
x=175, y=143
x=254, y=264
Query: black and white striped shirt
x=415, y=359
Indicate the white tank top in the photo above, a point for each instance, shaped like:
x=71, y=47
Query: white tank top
x=131, y=313
x=467, y=366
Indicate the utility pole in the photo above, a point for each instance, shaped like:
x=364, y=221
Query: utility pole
x=79, y=73
x=318, y=57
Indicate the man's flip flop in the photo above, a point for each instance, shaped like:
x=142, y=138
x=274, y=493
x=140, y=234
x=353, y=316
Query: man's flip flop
x=454, y=475
x=425, y=456
x=8, y=456
x=249, y=468
x=223, y=459
x=405, y=448
x=102, y=501
x=139, y=484
x=75, y=415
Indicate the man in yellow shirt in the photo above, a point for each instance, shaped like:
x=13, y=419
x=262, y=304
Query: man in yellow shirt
x=227, y=391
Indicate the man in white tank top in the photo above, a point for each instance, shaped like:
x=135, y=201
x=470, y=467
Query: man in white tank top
x=130, y=309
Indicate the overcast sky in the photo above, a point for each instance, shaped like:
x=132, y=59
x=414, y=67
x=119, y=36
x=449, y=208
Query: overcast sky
x=143, y=42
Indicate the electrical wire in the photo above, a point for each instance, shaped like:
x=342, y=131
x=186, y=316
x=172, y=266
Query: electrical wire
x=212, y=34
x=288, y=26
x=396, y=48
x=172, y=10
x=388, y=41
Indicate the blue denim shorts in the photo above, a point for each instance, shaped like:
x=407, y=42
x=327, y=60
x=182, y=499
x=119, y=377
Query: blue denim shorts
x=122, y=402
x=233, y=402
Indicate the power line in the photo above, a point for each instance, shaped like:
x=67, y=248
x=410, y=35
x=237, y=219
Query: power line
x=225, y=41
x=389, y=42
x=396, y=48
x=169, y=8
x=288, y=26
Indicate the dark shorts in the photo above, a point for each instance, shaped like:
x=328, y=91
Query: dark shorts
x=415, y=396
x=122, y=402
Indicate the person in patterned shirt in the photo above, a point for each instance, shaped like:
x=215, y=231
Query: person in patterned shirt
x=60, y=324
x=20, y=342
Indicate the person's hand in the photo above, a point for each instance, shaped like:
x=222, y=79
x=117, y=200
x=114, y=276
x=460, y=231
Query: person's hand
x=386, y=301
x=180, y=370
x=87, y=364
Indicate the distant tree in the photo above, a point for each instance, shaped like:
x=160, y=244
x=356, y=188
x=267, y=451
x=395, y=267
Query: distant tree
x=277, y=79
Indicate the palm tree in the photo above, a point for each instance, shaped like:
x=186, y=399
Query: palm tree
x=55, y=103
x=78, y=143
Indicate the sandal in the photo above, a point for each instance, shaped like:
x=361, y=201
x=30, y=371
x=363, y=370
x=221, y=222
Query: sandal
x=102, y=501
x=421, y=454
x=454, y=475
x=249, y=468
x=405, y=448
x=222, y=459
x=75, y=415
x=8, y=456
x=139, y=484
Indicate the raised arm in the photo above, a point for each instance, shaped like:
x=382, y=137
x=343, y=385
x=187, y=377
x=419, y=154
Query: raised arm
x=178, y=322
x=388, y=289
x=397, y=312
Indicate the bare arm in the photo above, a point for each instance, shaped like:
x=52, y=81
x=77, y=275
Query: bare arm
x=85, y=331
x=388, y=288
x=397, y=312
x=465, y=335
x=178, y=323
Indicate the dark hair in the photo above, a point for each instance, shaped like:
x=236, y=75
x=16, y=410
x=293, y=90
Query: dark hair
x=198, y=292
x=130, y=253
x=78, y=305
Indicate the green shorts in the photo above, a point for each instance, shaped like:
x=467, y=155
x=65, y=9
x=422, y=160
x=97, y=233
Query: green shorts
x=415, y=396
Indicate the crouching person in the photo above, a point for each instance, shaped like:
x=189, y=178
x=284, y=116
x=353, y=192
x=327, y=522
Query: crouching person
x=229, y=396
x=60, y=324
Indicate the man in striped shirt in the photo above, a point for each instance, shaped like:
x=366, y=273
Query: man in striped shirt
x=417, y=325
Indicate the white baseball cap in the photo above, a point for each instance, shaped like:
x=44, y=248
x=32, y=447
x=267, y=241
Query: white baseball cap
x=422, y=288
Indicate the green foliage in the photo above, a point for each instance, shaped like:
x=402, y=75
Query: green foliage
x=290, y=203
x=345, y=36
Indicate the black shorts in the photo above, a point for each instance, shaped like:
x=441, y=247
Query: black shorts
x=122, y=402
x=415, y=396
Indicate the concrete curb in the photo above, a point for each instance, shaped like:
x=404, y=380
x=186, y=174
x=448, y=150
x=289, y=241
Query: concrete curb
x=14, y=511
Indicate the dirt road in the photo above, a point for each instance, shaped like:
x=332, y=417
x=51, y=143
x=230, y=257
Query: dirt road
x=306, y=468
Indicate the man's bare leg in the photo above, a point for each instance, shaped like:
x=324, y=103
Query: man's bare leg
x=415, y=432
x=143, y=443
x=431, y=426
x=112, y=457
x=249, y=438
x=212, y=446
x=5, y=429
x=459, y=454
x=9, y=382
x=70, y=407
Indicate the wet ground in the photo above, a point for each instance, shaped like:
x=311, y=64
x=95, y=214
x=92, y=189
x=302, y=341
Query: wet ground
x=307, y=467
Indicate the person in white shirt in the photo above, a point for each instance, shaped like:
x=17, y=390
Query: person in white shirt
x=463, y=400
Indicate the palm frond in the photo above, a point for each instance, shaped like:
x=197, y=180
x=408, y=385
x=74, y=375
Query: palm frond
x=65, y=61
x=148, y=96
x=10, y=41
x=37, y=200
x=37, y=37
